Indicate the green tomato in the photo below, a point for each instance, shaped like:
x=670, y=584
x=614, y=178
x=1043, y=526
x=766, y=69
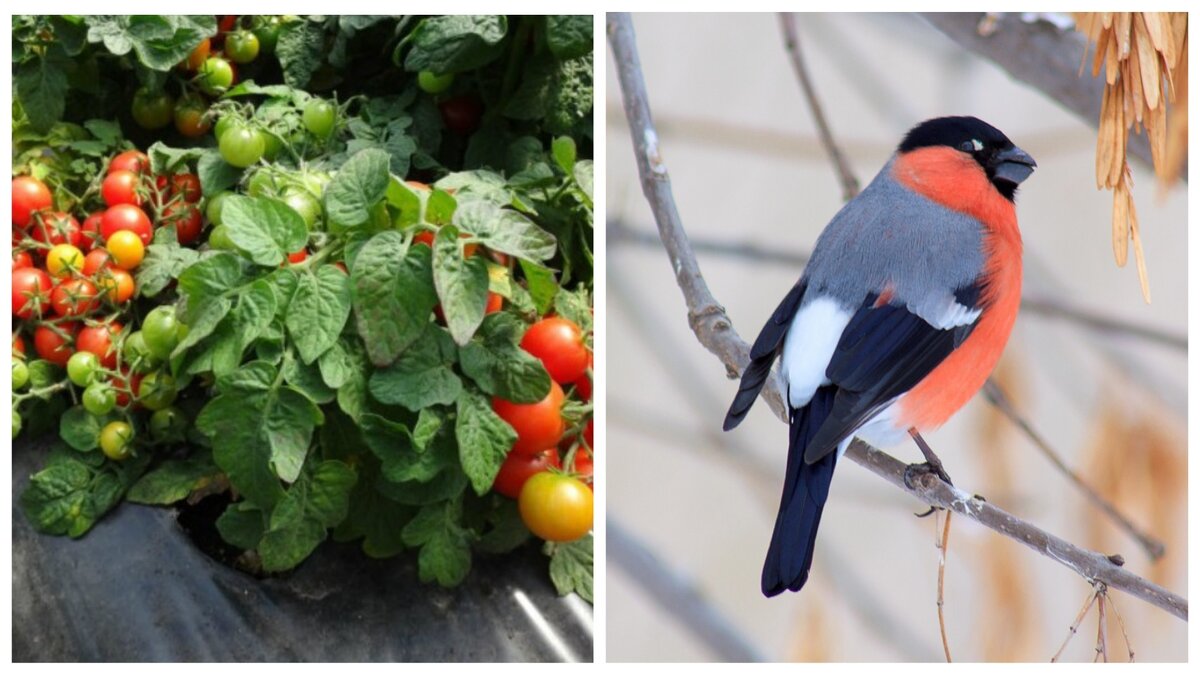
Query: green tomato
x=224, y=123
x=305, y=204
x=157, y=391
x=272, y=145
x=215, y=76
x=266, y=28
x=116, y=439
x=242, y=146
x=215, y=204
x=99, y=399
x=153, y=109
x=433, y=83
x=160, y=330
x=319, y=117
x=241, y=46
x=16, y=423
x=315, y=182
x=137, y=353
x=263, y=184
x=219, y=239
x=20, y=375
x=168, y=424
x=82, y=367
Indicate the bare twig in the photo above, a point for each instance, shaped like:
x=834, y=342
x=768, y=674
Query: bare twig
x=945, y=541
x=1087, y=604
x=1102, y=627
x=1121, y=623
x=714, y=330
x=1153, y=547
x=792, y=39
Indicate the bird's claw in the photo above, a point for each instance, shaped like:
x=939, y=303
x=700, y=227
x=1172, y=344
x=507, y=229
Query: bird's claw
x=912, y=471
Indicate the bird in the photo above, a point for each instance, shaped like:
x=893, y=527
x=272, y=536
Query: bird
x=898, y=318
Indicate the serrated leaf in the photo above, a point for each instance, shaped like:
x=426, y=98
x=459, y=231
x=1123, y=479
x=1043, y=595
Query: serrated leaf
x=571, y=567
x=505, y=230
x=80, y=429
x=461, y=283
x=300, y=49
x=483, y=439
x=173, y=481
x=318, y=311
x=267, y=230
x=317, y=501
x=359, y=185
x=422, y=376
x=445, y=546
x=569, y=36
x=499, y=366
x=393, y=295
x=242, y=525
x=455, y=43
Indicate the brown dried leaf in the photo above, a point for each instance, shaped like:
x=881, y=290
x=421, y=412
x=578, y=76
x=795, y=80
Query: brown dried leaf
x=1111, y=61
x=1101, y=52
x=1106, y=18
x=1120, y=225
x=1147, y=61
x=1139, y=256
x=1179, y=22
x=1132, y=74
x=1105, y=147
x=1155, y=26
x=1177, y=128
x=1156, y=124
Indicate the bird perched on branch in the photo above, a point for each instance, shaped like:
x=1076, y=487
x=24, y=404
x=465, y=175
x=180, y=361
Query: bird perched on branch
x=900, y=316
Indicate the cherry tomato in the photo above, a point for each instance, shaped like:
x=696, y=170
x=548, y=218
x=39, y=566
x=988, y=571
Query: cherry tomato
x=190, y=117
x=64, y=260
x=227, y=22
x=130, y=160
x=116, y=283
x=126, y=217
x=241, y=46
x=82, y=367
x=137, y=354
x=116, y=440
x=538, y=425
x=461, y=114
x=99, y=398
x=556, y=507
x=319, y=117
x=583, y=385
x=125, y=249
x=21, y=260
x=94, y=262
x=125, y=383
x=168, y=424
x=219, y=239
x=161, y=330
x=20, y=375
x=266, y=28
x=432, y=83
x=186, y=220
x=215, y=76
x=305, y=204
x=558, y=344
x=30, y=292
x=518, y=468
x=121, y=187
x=298, y=256
x=58, y=228
x=425, y=237
x=242, y=146
x=495, y=302
x=29, y=195
x=199, y=55
x=152, y=109
x=53, y=346
x=74, y=297
x=18, y=347
x=188, y=185
x=91, y=231
x=16, y=423
x=214, y=207
x=157, y=391
x=99, y=341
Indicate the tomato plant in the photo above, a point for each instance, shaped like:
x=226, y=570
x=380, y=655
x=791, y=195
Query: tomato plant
x=518, y=468
x=319, y=117
x=152, y=109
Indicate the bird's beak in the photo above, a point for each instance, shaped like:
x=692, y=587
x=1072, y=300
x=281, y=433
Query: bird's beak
x=1013, y=165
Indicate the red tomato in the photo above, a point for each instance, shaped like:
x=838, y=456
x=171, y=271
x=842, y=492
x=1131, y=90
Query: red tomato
x=495, y=302
x=558, y=344
x=126, y=217
x=91, y=231
x=29, y=195
x=538, y=425
x=587, y=435
x=426, y=237
x=518, y=468
x=186, y=219
x=95, y=261
x=124, y=384
x=18, y=348
x=298, y=256
x=121, y=187
x=461, y=114
x=198, y=56
x=130, y=160
x=99, y=341
x=21, y=259
x=584, y=469
x=30, y=292
x=53, y=346
x=74, y=297
x=583, y=386
x=58, y=228
x=116, y=283
x=188, y=185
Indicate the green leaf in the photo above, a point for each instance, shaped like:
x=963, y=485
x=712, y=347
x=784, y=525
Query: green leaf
x=422, y=376
x=455, y=43
x=440, y=207
x=162, y=264
x=571, y=567
x=222, y=351
x=173, y=480
x=41, y=88
x=429, y=422
x=569, y=36
x=506, y=532
x=445, y=546
x=210, y=278
x=393, y=295
x=543, y=287
x=461, y=283
x=583, y=176
x=576, y=306
x=563, y=149
x=483, y=439
x=379, y=521
x=306, y=378
x=495, y=361
x=57, y=500
x=215, y=173
x=319, y=310
x=336, y=364
x=505, y=230
x=159, y=41
x=317, y=501
x=80, y=429
x=300, y=50
x=265, y=229
x=402, y=461
x=359, y=185
x=242, y=525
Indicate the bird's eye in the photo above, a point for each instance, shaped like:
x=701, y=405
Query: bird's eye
x=971, y=146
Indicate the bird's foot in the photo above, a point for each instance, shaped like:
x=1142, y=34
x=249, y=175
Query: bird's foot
x=913, y=472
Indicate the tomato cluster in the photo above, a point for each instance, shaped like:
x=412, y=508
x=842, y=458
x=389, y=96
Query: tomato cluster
x=73, y=287
x=549, y=468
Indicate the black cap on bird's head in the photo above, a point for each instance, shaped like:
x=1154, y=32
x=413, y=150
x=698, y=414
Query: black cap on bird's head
x=1007, y=166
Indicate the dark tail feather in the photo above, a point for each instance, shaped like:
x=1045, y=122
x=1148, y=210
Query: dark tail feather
x=762, y=355
x=804, y=493
x=752, y=382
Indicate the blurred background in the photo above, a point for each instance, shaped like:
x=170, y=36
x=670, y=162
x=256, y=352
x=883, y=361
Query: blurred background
x=690, y=509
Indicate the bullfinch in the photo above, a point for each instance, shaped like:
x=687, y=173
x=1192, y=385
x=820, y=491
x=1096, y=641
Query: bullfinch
x=898, y=319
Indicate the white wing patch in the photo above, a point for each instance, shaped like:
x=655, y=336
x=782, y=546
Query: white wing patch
x=809, y=346
x=951, y=314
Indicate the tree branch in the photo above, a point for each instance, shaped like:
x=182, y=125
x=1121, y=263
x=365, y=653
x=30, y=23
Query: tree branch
x=715, y=331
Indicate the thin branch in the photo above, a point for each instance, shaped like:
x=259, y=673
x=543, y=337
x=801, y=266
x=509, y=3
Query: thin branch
x=1124, y=633
x=715, y=331
x=671, y=590
x=1087, y=604
x=1102, y=628
x=941, y=603
x=1056, y=309
x=1153, y=547
x=791, y=37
